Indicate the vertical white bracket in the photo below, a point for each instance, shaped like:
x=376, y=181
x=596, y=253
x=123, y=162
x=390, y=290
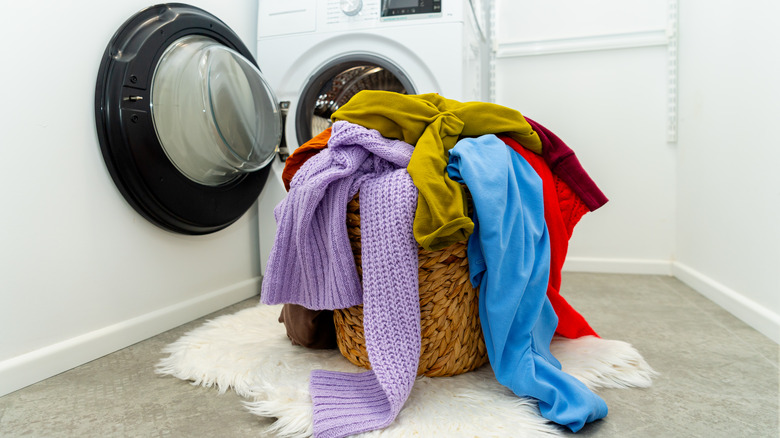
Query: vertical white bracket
x=671, y=73
x=493, y=48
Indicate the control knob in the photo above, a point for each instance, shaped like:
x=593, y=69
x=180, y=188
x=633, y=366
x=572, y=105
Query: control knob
x=351, y=7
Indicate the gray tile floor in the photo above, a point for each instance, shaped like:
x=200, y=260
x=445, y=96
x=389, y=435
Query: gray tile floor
x=719, y=377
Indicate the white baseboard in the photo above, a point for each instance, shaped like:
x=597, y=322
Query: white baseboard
x=24, y=370
x=618, y=266
x=757, y=316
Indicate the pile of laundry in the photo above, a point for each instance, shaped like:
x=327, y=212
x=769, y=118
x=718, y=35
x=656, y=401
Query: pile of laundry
x=408, y=156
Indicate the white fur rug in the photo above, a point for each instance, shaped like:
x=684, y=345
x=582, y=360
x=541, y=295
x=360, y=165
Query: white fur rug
x=250, y=353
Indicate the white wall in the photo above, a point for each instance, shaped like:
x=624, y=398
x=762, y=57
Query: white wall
x=82, y=274
x=594, y=73
x=705, y=208
x=728, y=221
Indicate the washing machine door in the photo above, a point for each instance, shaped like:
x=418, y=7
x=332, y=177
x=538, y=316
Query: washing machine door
x=186, y=121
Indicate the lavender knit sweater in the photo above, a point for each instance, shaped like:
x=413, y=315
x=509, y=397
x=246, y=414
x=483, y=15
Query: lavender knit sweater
x=311, y=264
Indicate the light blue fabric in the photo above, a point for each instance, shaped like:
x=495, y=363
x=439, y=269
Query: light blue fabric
x=509, y=257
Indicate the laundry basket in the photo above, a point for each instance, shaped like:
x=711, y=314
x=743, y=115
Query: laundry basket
x=452, y=341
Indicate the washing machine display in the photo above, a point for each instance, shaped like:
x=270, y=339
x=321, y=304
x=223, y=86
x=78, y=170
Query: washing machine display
x=394, y=8
x=186, y=121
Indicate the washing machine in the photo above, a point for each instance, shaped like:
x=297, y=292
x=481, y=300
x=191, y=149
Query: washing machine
x=323, y=52
x=194, y=130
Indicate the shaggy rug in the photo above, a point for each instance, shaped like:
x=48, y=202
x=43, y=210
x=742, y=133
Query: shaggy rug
x=249, y=353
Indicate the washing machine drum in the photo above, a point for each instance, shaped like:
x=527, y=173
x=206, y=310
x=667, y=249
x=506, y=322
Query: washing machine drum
x=335, y=83
x=186, y=122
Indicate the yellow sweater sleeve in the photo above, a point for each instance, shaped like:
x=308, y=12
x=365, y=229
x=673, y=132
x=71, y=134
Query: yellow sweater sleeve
x=434, y=124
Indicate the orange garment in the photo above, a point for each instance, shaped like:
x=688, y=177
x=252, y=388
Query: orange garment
x=303, y=153
x=562, y=210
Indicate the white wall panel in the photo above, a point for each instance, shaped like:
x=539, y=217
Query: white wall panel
x=729, y=185
x=525, y=20
x=706, y=208
x=609, y=107
x=595, y=73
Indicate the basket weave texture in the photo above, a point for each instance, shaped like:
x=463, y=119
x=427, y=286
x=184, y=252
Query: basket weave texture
x=452, y=340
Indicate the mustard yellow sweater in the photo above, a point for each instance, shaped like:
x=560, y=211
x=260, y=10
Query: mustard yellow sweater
x=433, y=124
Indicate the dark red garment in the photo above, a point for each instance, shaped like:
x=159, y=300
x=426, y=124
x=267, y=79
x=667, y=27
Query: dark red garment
x=564, y=164
x=562, y=210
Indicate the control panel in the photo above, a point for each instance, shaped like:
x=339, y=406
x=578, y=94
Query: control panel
x=398, y=8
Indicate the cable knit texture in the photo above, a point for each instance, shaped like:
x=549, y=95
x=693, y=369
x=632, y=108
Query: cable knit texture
x=311, y=262
x=310, y=265
x=344, y=403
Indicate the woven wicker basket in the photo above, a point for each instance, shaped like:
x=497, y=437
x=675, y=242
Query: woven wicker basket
x=452, y=340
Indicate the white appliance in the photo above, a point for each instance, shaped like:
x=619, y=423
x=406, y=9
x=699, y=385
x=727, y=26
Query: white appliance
x=305, y=48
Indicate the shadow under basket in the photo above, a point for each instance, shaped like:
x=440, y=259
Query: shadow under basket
x=452, y=340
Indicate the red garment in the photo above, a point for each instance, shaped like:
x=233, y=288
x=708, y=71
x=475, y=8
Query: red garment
x=562, y=210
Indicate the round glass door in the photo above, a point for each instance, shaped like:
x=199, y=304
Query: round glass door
x=213, y=112
x=187, y=124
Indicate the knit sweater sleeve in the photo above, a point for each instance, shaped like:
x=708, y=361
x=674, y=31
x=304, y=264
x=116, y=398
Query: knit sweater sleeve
x=348, y=403
x=311, y=262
